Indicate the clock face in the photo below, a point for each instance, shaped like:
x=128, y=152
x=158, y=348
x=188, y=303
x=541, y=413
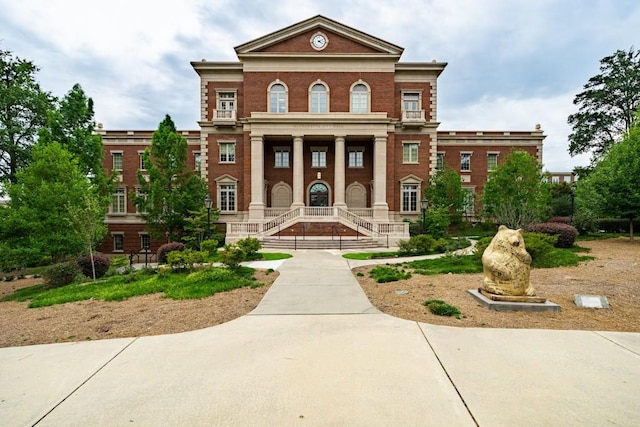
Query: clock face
x=319, y=41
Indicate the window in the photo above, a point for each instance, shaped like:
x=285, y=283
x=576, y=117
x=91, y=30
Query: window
x=356, y=157
x=410, y=101
x=117, y=161
x=567, y=178
x=278, y=99
x=492, y=161
x=360, y=99
x=410, y=152
x=410, y=197
x=318, y=157
x=197, y=158
x=555, y=179
x=143, y=161
x=118, y=242
x=141, y=200
x=227, y=101
x=227, y=197
x=465, y=162
x=468, y=204
x=319, y=98
x=281, y=157
x=440, y=161
x=145, y=243
x=227, y=152
x=119, y=201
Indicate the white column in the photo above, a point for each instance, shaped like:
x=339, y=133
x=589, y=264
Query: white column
x=256, y=207
x=298, y=172
x=339, y=174
x=380, y=206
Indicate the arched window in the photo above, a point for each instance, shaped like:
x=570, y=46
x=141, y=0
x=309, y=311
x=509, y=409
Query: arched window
x=319, y=98
x=359, y=98
x=278, y=98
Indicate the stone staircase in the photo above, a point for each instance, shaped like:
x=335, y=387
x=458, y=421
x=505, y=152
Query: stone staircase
x=321, y=242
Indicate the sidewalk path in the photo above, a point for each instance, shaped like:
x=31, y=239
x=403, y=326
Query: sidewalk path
x=316, y=353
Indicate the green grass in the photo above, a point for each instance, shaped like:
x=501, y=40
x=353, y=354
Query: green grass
x=441, y=308
x=456, y=264
x=601, y=236
x=273, y=256
x=383, y=274
x=454, y=244
x=198, y=284
x=562, y=258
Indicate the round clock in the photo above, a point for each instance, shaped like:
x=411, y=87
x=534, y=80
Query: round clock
x=319, y=41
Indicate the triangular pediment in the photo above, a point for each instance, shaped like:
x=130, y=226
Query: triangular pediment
x=296, y=39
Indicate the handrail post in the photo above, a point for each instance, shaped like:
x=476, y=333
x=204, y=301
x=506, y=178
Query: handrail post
x=295, y=242
x=341, y=242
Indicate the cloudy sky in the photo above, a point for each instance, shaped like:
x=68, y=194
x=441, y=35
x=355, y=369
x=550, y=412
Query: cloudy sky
x=512, y=63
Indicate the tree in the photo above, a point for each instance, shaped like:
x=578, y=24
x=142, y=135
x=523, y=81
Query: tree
x=86, y=219
x=445, y=191
x=560, y=202
x=44, y=201
x=611, y=189
x=23, y=110
x=171, y=191
x=516, y=193
x=72, y=125
x=607, y=105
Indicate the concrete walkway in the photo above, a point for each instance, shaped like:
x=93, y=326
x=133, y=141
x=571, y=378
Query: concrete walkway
x=316, y=353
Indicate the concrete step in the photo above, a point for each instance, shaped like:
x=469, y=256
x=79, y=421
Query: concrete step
x=320, y=243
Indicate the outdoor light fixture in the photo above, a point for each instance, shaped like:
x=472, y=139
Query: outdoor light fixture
x=207, y=204
x=424, y=204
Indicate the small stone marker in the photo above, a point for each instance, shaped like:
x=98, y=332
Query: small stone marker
x=402, y=292
x=591, y=301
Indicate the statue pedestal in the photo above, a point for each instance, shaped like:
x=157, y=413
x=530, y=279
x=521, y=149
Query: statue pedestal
x=511, y=305
x=509, y=298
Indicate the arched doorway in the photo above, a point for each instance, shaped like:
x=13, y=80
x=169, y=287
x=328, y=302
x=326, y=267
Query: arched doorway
x=319, y=195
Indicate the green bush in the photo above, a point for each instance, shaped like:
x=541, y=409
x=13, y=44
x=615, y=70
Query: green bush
x=437, y=222
x=566, y=233
x=481, y=246
x=537, y=244
x=441, y=308
x=250, y=246
x=187, y=258
x=119, y=261
x=60, y=274
x=209, y=245
x=383, y=274
x=100, y=262
x=164, y=250
x=231, y=256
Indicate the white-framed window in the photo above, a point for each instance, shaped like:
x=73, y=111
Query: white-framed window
x=439, y=161
x=227, y=152
x=281, y=155
x=319, y=98
x=410, y=152
x=278, y=98
x=555, y=179
x=145, y=242
x=465, y=162
x=143, y=161
x=468, y=203
x=117, y=160
x=226, y=100
x=318, y=157
x=411, y=101
x=356, y=157
x=492, y=161
x=567, y=178
x=227, y=197
x=119, y=201
x=197, y=159
x=410, y=197
x=359, y=98
x=118, y=242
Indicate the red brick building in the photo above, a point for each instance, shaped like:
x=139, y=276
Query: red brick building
x=316, y=123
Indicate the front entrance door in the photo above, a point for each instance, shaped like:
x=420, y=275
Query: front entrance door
x=318, y=195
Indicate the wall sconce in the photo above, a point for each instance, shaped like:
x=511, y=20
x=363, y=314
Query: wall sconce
x=319, y=175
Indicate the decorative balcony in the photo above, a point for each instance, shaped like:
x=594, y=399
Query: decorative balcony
x=413, y=118
x=224, y=117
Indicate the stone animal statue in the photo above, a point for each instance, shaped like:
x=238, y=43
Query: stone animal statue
x=506, y=264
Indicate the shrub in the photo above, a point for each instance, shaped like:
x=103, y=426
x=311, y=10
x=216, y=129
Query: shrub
x=250, y=246
x=100, y=262
x=441, y=308
x=164, y=250
x=383, y=274
x=560, y=219
x=119, y=261
x=231, y=256
x=566, y=233
x=60, y=274
x=186, y=259
x=209, y=245
x=417, y=245
x=539, y=245
x=437, y=222
x=481, y=246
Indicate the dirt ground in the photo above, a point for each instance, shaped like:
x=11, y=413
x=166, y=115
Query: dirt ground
x=615, y=273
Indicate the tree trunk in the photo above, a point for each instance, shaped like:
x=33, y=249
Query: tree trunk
x=630, y=228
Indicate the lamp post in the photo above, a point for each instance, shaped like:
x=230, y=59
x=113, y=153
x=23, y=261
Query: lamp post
x=424, y=204
x=207, y=204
